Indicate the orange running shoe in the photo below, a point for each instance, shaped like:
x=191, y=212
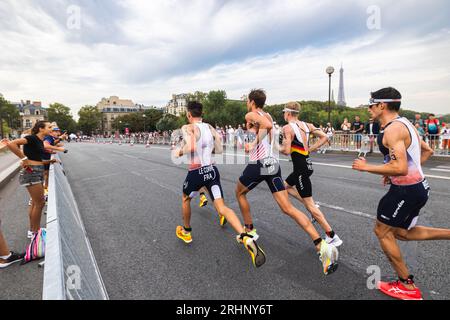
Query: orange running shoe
x=397, y=290
x=186, y=237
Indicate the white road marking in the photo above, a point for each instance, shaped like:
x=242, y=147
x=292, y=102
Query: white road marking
x=129, y=156
x=442, y=170
x=154, y=181
x=356, y=213
x=315, y=163
x=100, y=177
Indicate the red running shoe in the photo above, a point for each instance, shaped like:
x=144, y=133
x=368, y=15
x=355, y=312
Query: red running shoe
x=397, y=290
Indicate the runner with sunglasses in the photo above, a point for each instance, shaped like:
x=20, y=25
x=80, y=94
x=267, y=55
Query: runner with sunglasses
x=398, y=211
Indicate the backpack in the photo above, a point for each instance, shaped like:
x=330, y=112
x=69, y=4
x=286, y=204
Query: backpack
x=36, y=249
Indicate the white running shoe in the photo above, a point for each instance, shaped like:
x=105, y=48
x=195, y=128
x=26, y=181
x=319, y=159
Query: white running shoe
x=329, y=256
x=335, y=241
x=30, y=234
x=252, y=233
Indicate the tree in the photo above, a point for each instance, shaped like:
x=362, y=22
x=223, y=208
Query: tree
x=59, y=113
x=214, y=101
x=152, y=118
x=90, y=119
x=168, y=122
x=197, y=96
x=9, y=117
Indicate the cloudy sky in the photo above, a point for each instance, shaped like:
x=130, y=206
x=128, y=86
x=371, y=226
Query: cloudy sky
x=147, y=50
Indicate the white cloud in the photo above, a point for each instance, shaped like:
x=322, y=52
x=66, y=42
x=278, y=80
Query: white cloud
x=147, y=50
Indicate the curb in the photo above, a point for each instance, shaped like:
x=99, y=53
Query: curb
x=11, y=171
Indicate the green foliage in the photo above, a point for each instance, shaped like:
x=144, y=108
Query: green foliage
x=445, y=119
x=5, y=128
x=316, y=112
x=136, y=122
x=10, y=116
x=59, y=113
x=168, y=122
x=214, y=101
x=152, y=118
x=90, y=119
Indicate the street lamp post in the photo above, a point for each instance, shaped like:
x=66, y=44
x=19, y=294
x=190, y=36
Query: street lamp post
x=330, y=71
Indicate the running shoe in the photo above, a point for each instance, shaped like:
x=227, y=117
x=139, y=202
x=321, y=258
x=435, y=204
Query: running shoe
x=256, y=253
x=30, y=202
x=335, y=241
x=30, y=234
x=203, y=201
x=252, y=233
x=397, y=290
x=329, y=256
x=186, y=237
x=13, y=258
x=223, y=221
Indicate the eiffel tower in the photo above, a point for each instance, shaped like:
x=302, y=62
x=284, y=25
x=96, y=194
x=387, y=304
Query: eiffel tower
x=341, y=95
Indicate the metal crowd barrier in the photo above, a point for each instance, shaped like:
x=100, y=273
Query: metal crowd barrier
x=364, y=143
x=131, y=140
x=360, y=143
x=71, y=272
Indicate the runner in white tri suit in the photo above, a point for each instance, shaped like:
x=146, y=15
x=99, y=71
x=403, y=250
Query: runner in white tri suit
x=200, y=140
x=398, y=211
x=298, y=183
x=264, y=166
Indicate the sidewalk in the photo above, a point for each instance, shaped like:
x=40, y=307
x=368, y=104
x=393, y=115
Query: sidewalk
x=17, y=282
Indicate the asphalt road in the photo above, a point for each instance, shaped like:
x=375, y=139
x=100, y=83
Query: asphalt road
x=130, y=200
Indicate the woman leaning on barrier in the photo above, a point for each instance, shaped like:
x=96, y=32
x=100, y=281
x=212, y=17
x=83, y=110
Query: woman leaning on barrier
x=32, y=173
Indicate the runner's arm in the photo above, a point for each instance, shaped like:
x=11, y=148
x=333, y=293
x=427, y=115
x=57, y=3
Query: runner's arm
x=426, y=152
x=285, y=148
x=262, y=124
x=218, y=147
x=189, y=141
x=323, y=138
x=398, y=165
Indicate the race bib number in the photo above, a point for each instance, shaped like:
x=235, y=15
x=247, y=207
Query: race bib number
x=309, y=164
x=271, y=165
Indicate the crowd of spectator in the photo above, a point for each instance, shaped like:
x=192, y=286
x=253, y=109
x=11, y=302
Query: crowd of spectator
x=350, y=133
x=34, y=149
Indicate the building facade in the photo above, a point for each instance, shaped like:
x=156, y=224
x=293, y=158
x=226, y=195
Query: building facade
x=177, y=106
x=30, y=113
x=114, y=107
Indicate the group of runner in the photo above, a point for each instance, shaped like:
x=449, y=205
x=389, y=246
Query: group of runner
x=398, y=210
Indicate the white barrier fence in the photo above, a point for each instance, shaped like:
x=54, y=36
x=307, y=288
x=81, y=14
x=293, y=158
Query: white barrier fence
x=71, y=272
x=360, y=143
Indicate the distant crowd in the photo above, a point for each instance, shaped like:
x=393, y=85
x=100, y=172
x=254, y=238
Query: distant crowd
x=431, y=130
